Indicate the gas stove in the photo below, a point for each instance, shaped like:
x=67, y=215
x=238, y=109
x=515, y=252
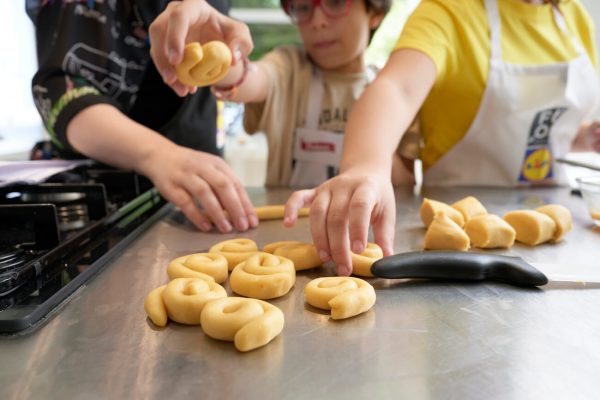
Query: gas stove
x=56, y=235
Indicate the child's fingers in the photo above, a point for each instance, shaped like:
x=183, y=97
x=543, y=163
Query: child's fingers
x=361, y=207
x=318, y=224
x=337, y=232
x=384, y=228
x=298, y=199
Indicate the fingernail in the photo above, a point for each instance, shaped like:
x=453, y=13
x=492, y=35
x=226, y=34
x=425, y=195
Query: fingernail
x=324, y=256
x=253, y=221
x=357, y=247
x=242, y=223
x=205, y=226
x=343, y=270
x=169, y=75
x=225, y=226
x=172, y=56
x=237, y=53
x=287, y=221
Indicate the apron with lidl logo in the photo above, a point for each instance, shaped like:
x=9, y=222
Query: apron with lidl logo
x=529, y=115
x=317, y=153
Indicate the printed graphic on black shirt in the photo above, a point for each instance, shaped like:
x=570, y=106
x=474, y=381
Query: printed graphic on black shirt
x=538, y=164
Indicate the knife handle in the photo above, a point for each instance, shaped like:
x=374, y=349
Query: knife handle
x=459, y=266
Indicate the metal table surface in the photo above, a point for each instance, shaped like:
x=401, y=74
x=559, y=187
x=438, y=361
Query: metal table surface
x=420, y=341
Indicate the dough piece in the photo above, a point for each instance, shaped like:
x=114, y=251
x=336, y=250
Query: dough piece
x=155, y=306
x=181, y=300
x=489, y=232
x=561, y=216
x=263, y=276
x=595, y=215
x=207, y=266
x=429, y=208
x=235, y=250
x=344, y=296
x=249, y=323
x=204, y=65
x=469, y=207
x=276, y=212
x=445, y=234
x=361, y=263
x=532, y=227
x=303, y=255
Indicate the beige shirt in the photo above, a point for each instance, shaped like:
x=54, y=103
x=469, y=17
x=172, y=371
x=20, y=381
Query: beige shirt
x=284, y=109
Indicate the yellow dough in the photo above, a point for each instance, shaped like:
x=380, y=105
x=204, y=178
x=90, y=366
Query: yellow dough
x=490, y=231
x=429, y=208
x=445, y=234
x=204, y=65
x=532, y=227
x=561, y=216
x=249, y=323
x=361, y=263
x=344, y=296
x=303, y=255
x=181, y=300
x=235, y=250
x=276, y=212
x=207, y=266
x=155, y=306
x=469, y=207
x=263, y=276
x=595, y=215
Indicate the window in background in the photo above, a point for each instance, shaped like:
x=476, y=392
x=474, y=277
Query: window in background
x=20, y=123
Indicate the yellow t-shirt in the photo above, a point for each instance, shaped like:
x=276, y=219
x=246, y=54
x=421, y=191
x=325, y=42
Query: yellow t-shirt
x=455, y=34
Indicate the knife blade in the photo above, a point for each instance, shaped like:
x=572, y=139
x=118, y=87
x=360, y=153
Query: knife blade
x=478, y=267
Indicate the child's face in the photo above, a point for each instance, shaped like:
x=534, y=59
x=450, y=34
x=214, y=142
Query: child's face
x=338, y=43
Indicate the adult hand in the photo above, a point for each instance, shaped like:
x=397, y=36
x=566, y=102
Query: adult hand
x=189, y=178
x=192, y=21
x=340, y=212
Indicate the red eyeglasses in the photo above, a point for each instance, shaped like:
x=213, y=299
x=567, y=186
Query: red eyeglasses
x=301, y=11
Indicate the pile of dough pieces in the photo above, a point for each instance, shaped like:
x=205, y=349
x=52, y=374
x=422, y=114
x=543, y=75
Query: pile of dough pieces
x=467, y=222
x=194, y=294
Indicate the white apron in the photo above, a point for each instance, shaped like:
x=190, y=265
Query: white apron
x=528, y=116
x=317, y=153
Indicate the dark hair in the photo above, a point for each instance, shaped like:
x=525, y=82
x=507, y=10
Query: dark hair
x=379, y=6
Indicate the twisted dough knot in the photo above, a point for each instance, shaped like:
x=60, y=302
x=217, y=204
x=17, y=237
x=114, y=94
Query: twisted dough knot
x=361, y=263
x=181, y=300
x=303, y=255
x=207, y=266
x=204, y=65
x=249, y=323
x=344, y=296
x=263, y=276
x=235, y=250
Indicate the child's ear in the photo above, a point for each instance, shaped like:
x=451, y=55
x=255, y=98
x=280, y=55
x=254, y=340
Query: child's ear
x=375, y=20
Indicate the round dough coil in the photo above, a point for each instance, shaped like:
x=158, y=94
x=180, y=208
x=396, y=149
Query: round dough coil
x=249, y=323
x=263, y=276
x=181, y=300
x=204, y=65
x=344, y=296
x=235, y=250
x=303, y=255
x=207, y=266
x=361, y=263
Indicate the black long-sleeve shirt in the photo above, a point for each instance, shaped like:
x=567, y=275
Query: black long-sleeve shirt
x=97, y=51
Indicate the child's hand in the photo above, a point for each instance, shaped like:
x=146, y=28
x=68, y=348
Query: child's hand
x=340, y=212
x=593, y=135
x=189, y=21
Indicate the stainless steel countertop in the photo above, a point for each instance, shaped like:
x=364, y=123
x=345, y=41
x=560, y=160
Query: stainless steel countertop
x=420, y=341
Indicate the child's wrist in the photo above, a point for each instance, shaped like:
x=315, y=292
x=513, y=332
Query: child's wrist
x=229, y=91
